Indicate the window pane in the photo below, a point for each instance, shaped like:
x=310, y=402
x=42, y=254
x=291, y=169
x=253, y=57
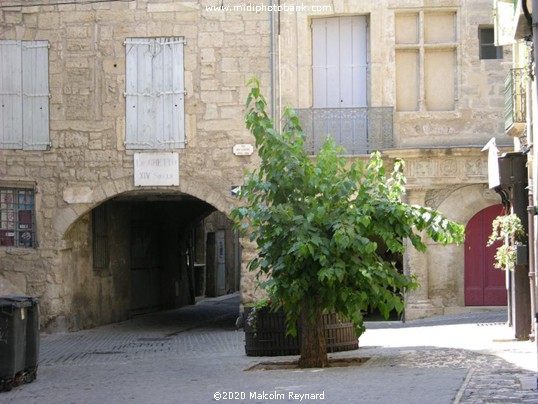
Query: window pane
x=406, y=28
x=439, y=28
x=439, y=76
x=407, y=80
x=488, y=50
x=487, y=36
x=17, y=218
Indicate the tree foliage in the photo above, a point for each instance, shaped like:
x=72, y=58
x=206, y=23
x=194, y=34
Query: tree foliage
x=318, y=224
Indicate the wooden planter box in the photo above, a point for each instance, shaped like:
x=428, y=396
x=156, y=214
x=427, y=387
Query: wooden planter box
x=269, y=338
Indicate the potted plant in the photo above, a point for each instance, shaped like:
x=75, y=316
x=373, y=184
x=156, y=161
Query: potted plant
x=508, y=230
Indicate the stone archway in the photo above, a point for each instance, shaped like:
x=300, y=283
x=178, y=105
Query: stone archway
x=81, y=200
x=446, y=265
x=147, y=257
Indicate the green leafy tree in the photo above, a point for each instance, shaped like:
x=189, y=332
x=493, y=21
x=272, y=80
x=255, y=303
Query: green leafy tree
x=318, y=225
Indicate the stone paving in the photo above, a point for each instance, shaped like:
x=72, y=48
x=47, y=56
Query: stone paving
x=192, y=354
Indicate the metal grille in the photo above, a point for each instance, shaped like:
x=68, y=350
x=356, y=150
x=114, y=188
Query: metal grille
x=17, y=222
x=357, y=130
x=100, y=237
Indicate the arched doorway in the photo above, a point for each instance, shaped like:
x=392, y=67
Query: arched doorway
x=484, y=284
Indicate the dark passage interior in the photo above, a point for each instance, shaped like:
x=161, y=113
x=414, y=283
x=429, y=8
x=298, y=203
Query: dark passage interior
x=143, y=252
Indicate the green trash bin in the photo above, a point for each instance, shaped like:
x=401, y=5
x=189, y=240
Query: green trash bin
x=19, y=340
x=32, y=334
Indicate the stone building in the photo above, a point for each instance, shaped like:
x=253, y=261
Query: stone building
x=122, y=130
x=422, y=81
x=117, y=129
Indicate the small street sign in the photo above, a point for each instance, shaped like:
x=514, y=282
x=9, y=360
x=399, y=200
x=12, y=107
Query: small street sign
x=236, y=189
x=243, y=149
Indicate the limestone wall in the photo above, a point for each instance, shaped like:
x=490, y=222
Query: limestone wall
x=477, y=84
x=454, y=182
x=87, y=162
x=441, y=145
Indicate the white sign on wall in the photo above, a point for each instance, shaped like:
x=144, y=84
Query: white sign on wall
x=243, y=149
x=156, y=169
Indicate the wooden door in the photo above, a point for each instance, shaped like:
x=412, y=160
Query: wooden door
x=145, y=271
x=484, y=284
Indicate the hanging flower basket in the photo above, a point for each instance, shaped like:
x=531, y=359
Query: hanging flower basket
x=265, y=334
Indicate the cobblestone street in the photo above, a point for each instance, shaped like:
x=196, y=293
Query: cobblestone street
x=193, y=354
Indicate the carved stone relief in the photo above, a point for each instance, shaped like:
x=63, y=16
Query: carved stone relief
x=434, y=197
x=423, y=168
x=448, y=168
x=475, y=167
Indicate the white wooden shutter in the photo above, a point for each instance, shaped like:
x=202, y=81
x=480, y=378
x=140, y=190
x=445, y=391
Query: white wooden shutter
x=35, y=97
x=339, y=65
x=10, y=95
x=155, y=93
x=24, y=95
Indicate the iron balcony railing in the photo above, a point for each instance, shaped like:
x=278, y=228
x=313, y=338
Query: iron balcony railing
x=359, y=130
x=515, y=100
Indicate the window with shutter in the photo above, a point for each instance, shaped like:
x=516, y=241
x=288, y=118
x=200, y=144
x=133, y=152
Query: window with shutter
x=155, y=93
x=339, y=62
x=340, y=81
x=488, y=49
x=24, y=95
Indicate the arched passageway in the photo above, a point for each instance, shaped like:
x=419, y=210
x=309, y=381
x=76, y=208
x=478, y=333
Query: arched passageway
x=144, y=251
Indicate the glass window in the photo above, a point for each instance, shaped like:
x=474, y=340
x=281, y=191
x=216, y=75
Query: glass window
x=488, y=50
x=17, y=224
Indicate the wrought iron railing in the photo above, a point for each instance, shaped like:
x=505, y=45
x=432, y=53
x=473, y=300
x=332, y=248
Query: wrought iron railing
x=515, y=100
x=359, y=130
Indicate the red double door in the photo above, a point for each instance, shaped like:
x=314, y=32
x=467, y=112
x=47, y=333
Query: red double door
x=484, y=284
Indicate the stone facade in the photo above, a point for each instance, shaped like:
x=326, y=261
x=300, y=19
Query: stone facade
x=87, y=162
x=445, y=167
x=88, y=165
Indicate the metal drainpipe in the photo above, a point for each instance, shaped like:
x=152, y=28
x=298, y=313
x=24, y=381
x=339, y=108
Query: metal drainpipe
x=530, y=208
x=532, y=273
x=535, y=47
x=272, y=56
x=279, y=116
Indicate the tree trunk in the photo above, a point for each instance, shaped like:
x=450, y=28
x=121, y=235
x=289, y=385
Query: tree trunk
x=313, y=343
